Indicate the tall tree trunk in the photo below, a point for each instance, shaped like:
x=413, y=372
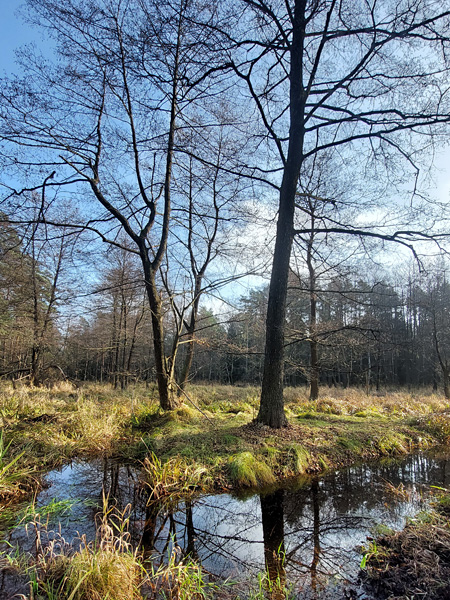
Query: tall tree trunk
x=164, y=378
x=271, y=411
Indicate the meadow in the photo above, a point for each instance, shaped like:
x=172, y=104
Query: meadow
x=210, y=444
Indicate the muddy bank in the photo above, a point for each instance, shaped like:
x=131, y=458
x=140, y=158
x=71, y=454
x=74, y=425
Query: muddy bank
x=414, y=562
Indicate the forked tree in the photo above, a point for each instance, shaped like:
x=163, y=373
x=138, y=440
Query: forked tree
x=107, y=119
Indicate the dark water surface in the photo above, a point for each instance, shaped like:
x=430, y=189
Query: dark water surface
x=318, y=524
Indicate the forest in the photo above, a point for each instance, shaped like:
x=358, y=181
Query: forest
x=209, y=157
x=224, y=300
x=368, y=334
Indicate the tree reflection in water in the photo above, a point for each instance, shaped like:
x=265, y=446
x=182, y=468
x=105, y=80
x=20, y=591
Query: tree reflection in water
x=272, y=517
x=310, y=535
x=317, y=527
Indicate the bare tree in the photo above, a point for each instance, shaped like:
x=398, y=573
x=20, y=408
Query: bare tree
x=107, y=120
x=361, y=79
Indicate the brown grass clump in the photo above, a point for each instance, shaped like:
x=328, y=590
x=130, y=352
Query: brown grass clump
x=108, y=568
x=168, y=482
x=413, y=563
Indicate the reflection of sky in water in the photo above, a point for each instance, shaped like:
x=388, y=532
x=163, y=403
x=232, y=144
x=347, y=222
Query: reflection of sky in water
x=81, y=483
x=334, y=516
x=329, y=518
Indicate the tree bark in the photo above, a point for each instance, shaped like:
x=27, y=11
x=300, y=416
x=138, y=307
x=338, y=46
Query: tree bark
x=271, y=411
x=164, y=379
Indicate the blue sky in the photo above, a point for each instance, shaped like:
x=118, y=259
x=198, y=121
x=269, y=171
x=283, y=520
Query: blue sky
x=13, y=33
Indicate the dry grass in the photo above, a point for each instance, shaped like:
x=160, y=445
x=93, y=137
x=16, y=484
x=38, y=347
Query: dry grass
x=109, y=569
x=413, y=563
x=58, y=424
x=106, y=568
x=168, y=482
x=353, y=401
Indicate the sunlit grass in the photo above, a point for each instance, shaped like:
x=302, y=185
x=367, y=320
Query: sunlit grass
x=208, y=444
x=107, y=568
x=170, y=481
x=247, y=471
x=12, y=475
x=46, y=427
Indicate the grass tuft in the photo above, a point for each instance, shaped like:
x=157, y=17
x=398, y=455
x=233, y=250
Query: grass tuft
x=11, y=476
x=247, y=471
x=298, y=460
x=105, y=569
x=168, y=482
x=392, y=443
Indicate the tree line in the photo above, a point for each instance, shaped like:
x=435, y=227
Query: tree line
x=372, y=334
x=166, y=129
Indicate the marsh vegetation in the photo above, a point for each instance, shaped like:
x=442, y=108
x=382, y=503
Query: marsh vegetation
x=208, y=445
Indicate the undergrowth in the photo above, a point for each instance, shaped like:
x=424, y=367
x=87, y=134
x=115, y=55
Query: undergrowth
x=210, y=441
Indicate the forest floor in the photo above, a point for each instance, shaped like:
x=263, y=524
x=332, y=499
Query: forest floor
x=209, y=444
x=211, y=439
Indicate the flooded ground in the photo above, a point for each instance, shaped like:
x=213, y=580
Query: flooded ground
x=309, y=533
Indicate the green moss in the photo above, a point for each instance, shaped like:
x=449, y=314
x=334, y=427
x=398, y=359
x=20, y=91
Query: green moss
x=309, y=414
x=247, y=471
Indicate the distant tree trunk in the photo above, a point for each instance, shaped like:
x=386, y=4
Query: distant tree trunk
x=198, y=272
x=42, y=318
x=443, y=362
x=368, y=372
x=187, y=361
x=190, y=331
x=313, y=341
x=446, y=381
x=137, y=321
